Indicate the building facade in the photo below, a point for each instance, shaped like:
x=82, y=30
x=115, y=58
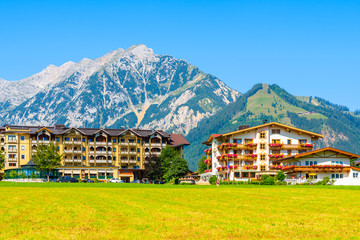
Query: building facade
x=89, y=152
x=320, y=163
x=252, y=151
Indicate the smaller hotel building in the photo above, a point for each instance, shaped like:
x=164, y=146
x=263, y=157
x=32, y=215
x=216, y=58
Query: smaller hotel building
x=89, y=152
x=251, y=152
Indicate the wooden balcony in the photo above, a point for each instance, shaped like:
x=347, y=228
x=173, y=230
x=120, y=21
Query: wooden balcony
x=237, y=157
x=281, y=146
x=236, y=146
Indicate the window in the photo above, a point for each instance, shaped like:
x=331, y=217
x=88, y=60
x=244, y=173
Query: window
x=122, y=140
x=57, y=148
x=114, y=149
x=83, y=149
x=262, y=146
x=341, y=162
x=238, y=141
x=22, y=138
x=275, y=131
x=315, y=162
x=262, y=135
x=262, y=168
x=355, y=175
x=83, y=157
x=302, y=141
x=22, y=156
x=275, y=151
x=275, y=141
x=114, y=158
x=114, y=140
x=289, y=152
x=22, y=147
x=57, y=139
x=83, y=139
x=302, y=151
x=341, y=175
x=289, y=141
x=138, y=159
x=138, y=150
x=138, y=141
x=306, y=163
x=12, y=164
x=262, y=157
x=67, y=139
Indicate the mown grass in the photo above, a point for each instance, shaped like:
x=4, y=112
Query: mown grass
x=134, y=211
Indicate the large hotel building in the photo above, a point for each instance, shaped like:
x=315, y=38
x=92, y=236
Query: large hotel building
x=89, y=152
x=265, y=149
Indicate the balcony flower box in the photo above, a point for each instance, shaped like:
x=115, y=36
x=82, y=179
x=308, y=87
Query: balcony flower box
x=276, y=167
x=251, y=144
x=208, y=170
x=222, y=168
x=232, y=155
x=208, y=161
x=306, y=145
x=276, y=156
x=251, y=155
x=275, y=144
x=251, y=167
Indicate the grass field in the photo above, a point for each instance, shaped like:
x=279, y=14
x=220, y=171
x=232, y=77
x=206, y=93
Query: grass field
x=131, y=211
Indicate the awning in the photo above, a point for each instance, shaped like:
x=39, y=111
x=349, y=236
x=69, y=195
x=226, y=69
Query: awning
x=66, y=171
x=76, y=171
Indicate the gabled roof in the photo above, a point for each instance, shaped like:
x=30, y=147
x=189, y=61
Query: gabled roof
x=177, y=140
x=275, y=124
x=44, y=128
x=76, y=129
x=350, y=155
x=212, y=136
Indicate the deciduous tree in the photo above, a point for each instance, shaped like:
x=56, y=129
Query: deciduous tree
x=47, y=158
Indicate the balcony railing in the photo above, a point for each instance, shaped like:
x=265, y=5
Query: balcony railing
x=124, y=152
x=12, y=150
x=44, y=141
x=34, y=141
x=101, y=143
x=237, y=157
x=132, y=161
x=155, y=144
x=12, y=159
x=132, y=153
x=91, y=152
x=237, y=146
x=77, y=142
x=101, y=152
x=11, y=140
x=132, y=144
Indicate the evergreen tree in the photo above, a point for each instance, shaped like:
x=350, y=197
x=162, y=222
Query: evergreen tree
x=2, y=160
x=47, y=158
x=153, y=168
x=201, y=165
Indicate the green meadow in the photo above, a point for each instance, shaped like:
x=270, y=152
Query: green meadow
x=136, y=211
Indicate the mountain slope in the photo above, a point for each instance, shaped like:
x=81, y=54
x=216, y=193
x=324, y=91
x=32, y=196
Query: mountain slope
x=131, y=88
x=263, y=102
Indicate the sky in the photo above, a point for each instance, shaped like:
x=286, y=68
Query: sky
x=309, y=48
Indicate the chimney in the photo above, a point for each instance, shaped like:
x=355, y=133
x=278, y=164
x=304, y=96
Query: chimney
x=59, y=126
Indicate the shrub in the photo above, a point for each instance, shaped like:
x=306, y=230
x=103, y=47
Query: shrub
x=212, y=180
x=280, y=176
x=23, y=175
x=13, y=174
x=95, y=180
x=267, y=180
x=33, y=175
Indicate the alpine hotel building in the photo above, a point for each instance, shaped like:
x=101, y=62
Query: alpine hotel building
x=89, y=152
x=265, y=149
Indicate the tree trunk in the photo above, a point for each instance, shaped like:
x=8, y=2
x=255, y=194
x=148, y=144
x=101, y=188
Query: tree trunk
x=48, y=178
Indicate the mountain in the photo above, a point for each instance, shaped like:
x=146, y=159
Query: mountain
x=340, y=127
x=130, y=88
x=138, y=88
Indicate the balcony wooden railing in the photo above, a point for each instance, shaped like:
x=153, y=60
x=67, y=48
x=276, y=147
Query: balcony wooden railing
x=237, y=146
x=237, y=157
x=290, y=146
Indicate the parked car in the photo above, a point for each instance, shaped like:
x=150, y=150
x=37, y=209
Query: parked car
x=74, y=180
x=159, y=182
x=136, y=181
x=64, y=179
x=116, y=180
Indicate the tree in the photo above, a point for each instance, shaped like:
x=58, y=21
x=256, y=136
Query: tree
x=178, y=168
x=2, y=160
x=47, y=158
x=201, y=165
x=153, y=168
x=168, y=154
x=280, y=176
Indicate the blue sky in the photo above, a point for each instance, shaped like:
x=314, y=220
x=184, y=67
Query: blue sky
x=309, y=48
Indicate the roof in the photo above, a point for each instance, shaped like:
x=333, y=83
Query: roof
x=276, y=124
x=350, y=155
x=29, y=164
x=212, y=136
x=177, y=140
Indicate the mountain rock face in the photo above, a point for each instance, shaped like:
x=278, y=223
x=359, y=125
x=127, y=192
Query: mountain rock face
x=130, y=88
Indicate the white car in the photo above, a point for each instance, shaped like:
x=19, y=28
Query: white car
x=116, y=180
